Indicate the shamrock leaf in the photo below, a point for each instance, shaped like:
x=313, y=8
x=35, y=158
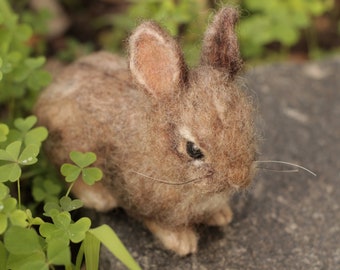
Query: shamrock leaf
x=12, y=171
x=36, y=136
x=82, y=161
x=20, y=240
x=91, y=175
x=63, y=229
x=31, y=220
x=3, y=132
x=3, y=223
x=7, y=207
x=18, y=218
x=58, y=252
x=67, y=204
x=45, y=190
x=51, y=209
x=78, y=229
x=12, y=152
x=29, y=154
x=70, y=171
x=27, y=133
x=26, y=124
x=4, y=191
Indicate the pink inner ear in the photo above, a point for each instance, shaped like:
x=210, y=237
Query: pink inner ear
x=156, y=63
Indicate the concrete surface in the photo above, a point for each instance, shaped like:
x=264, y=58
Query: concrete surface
x=285, y=220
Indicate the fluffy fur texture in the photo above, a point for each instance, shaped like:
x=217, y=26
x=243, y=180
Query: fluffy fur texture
x=139, y=120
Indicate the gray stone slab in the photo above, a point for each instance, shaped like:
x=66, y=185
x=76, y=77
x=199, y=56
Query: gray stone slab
x=284, y=220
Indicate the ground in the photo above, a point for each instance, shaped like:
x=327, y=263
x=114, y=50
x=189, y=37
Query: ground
x=284, y=220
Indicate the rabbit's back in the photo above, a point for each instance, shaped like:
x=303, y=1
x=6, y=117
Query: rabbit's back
x=87, y=103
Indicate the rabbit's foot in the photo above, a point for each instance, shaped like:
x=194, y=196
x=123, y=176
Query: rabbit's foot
x=183, y=241
x=95, y=196
x=220, y=218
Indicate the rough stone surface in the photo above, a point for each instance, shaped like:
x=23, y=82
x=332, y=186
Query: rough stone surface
x=285, y=220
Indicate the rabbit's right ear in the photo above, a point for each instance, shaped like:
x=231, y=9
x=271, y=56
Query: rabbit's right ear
x=156, y=61
x=220, y=46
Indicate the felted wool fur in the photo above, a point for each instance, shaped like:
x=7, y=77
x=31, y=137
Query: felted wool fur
x=173, y=143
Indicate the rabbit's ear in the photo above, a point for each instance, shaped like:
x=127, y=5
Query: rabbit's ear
x=156, y=61
x=220, y=47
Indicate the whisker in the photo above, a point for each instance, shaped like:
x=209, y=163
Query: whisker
x=286, y=163
x=169, y=182
x=280, y=171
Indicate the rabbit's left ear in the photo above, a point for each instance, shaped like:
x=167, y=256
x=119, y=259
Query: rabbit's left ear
x=220, y=47
x=156, y=61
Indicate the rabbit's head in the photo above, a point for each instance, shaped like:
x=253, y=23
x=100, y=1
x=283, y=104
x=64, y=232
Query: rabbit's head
x=203, y=128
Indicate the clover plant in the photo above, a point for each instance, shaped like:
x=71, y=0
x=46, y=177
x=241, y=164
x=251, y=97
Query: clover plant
x=29, y=242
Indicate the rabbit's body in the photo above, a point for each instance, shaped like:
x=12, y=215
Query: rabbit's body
x=172, y=143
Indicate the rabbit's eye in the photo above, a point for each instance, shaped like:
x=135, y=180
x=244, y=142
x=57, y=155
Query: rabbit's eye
x=194, y=151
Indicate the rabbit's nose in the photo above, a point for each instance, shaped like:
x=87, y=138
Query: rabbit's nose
x=240, y=177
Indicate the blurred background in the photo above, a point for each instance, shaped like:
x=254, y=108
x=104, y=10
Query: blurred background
x=32, y=31
x=269, y=30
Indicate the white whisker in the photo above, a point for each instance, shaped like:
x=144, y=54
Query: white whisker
x=286, y=163
x=280, y=171
x=169, y=182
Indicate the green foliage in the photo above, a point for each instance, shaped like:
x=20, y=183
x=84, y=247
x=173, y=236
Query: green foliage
x=262, y=23
x=21, y=75
x=22, y=147
x=182, y=18
x=270, y=21
x=28, y=242
x=74, y=49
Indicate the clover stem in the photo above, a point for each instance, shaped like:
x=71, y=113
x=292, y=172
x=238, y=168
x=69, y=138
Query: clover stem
x=19, y=194
x=69, y=189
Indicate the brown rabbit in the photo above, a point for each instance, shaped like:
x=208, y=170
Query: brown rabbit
x=173, y=143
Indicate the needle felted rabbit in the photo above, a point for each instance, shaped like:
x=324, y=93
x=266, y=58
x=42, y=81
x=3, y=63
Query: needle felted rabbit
x=173, y=143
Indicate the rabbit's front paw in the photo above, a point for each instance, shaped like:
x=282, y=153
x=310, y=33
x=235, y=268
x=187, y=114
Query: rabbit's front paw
x=183, y=241
x=220, y=218
x=96, y=196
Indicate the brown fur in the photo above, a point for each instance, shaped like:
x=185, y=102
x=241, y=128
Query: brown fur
x=138, y=120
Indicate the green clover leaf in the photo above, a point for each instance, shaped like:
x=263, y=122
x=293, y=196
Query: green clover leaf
x=4, y=191
x=58, y=252
x=3, y=222
x=27, y=133
x=3, y=132
x=78, y=229
x=63, y=228
x=36, y=260
x=51, y=209
x=12, y=152
x=45, y=190
x=20, y=240
x=67, y=204
x=31, y=220
x=70, y=171
x=36, y=136
x=58, y=229
x=29, y=154
x=90, y=175
x=83, y=160
x=12, y=171
x=26, y=124
x=18, y=218
x=7, y=207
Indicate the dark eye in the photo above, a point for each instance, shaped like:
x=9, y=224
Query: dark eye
x=194, y=151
